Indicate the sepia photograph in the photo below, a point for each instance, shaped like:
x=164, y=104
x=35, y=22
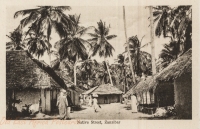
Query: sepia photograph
x=107, y=63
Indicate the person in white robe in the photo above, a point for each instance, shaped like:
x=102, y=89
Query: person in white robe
x=134, y=104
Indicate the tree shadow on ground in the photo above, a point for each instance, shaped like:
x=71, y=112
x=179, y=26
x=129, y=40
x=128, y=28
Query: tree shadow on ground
x=78, y=109
x=127, y=107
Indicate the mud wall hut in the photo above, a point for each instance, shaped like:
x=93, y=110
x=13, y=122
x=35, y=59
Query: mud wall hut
x=106, y=94
x=31, y=81
x=180, y=71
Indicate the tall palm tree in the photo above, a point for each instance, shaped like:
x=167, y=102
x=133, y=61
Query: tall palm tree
x=100, y=43
x=153, y=61
x=43, y=19
x=72, y=47
x=130, y=62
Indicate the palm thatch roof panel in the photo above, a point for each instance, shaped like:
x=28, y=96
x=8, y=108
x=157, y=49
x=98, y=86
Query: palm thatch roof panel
x=180, y=66
x=144, y=85
x=90, y=91
x=65, y=78
x=130, y=92
x=76, y=89
x=23, y=71
x=106, y=89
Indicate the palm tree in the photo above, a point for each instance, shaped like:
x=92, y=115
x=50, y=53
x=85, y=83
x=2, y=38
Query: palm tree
x=72, y=47
x=43, y=19
x=162, y=16
x=174, y=23
x=121, y=64
x=153, y=61
x=141, y=59
x=168, y=54
x=102, y=76
x=100, y=43
x=130, y=62
x=37, y=44
x=86, y=67
x=181, y=27
x=16, y=41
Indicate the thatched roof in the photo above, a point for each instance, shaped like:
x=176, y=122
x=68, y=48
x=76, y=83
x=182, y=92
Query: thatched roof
x=143, y=85
x=182, y=65
x=68, y=82
x=146, y=84
x=130, y=91
x=65, y=78
x=104, y=89
x=23, y=71
x=90, y=90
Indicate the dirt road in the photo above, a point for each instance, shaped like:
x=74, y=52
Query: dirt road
x=108, y=111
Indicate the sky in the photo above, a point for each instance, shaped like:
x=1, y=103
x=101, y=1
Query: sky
x=137, y=23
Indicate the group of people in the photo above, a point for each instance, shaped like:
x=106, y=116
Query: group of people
x=64, y=104
x=93, y=101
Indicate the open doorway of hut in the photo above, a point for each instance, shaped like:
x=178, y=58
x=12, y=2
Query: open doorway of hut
x=118, y=99
x=106, y=100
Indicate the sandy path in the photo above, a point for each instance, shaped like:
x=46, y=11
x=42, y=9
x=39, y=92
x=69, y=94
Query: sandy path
x=108, y=111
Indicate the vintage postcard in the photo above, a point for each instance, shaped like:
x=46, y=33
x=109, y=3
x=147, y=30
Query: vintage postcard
x=113, y=64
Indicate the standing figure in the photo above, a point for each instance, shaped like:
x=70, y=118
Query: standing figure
x=81, y=100
x=125, y=100
x=90, y=101
x=70, y=104
x=62, y=104
x=95, y=103
x=134, y=103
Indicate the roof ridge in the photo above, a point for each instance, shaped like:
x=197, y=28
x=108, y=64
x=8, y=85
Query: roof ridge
x=46, y=68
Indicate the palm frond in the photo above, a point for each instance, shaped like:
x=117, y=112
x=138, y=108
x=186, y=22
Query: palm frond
x=157, y=13
x=109, y=37
x=92, y=40
x=83, y=30
x=63, y=8
x=24, y=12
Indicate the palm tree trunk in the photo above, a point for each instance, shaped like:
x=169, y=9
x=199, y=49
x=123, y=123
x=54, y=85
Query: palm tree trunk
x=129, y=57
x=124, y=73
x=75, y=70
x=49, y=59
x=108, y=72
x=152, y=42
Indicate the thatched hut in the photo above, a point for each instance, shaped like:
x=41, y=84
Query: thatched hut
x=31, y=81
x=106, y=94
x=179, y=73
x=173, y=85
x=145, y=93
